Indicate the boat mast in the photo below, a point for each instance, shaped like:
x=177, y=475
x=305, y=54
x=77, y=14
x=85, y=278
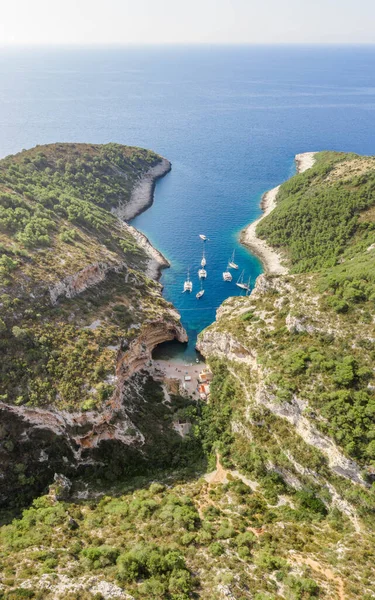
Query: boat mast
x=240, y=279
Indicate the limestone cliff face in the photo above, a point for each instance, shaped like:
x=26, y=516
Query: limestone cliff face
x=75, y=284
x=82, y=315
x=241, y=350
x=44, y=441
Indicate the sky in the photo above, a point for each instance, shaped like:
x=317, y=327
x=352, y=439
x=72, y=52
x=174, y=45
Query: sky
x=189, y=21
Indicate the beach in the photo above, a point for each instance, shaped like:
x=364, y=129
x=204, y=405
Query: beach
x=176, y=369
x=270, y=259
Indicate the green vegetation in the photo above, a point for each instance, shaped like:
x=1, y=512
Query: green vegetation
x=55, y=222
x=74, y=294
x=184, y=540
x=279, y=520
x=324, y=221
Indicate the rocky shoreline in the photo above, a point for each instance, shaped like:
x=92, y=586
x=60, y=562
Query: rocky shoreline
x=157, y=261
x=270, y=259
x=142, y=197
x=304, y=161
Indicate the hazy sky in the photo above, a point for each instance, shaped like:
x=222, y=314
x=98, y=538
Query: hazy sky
x=188, y=21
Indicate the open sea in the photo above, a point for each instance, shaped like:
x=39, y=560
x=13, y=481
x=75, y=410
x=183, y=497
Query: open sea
x=230, y=119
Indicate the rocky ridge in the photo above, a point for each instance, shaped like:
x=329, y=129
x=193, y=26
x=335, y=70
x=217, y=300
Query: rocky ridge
x=288, y=307
x=116, y=269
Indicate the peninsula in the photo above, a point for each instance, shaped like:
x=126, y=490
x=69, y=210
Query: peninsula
x=272, y=261
x=138, y=491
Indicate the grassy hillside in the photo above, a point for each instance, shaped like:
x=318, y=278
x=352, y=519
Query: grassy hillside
x=297, y=356
x=287, y=511
x=75, y=292
x=188, y=540
x=55, y=222
x=324, y=222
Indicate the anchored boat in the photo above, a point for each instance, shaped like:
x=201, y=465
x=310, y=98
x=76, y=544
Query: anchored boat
x=202, y=273
x=227, y=275
x=241, y=284
x=203, y=261
x=232, y=264
x=188, y=285
x=200, y=293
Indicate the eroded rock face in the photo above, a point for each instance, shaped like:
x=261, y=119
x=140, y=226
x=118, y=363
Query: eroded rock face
x=77, y=283
x=140, y=351
x=60, y=489
x=220, y=340
x=35, y=443
x=214, y=343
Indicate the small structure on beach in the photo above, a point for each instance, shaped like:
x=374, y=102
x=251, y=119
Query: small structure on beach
x=204, y=391
x=205, y=376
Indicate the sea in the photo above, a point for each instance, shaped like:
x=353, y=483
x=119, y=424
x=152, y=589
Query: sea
x=229, y=118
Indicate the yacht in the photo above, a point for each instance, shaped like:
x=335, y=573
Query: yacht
x=202, y=273
x=200, y=293
x=203, y=261
x=232, y=264
x=227, y=275
x=203, y=237
x=241, y=284
x=188, y=285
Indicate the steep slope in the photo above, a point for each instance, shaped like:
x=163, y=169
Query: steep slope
x=299, y=352
x=304, y=341
x=287, y=509
x=80, y=314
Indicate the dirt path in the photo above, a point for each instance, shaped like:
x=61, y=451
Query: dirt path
x=218, y=476
x=325, y=572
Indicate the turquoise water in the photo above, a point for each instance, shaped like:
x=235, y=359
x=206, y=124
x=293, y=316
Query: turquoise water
x=230, y=119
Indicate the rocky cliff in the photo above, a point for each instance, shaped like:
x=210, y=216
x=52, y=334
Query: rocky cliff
x=82, y=312
x=303, y=371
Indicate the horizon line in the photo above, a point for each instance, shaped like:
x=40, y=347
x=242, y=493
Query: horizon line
x=166, y=44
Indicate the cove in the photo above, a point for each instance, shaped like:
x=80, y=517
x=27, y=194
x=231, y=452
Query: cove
x=230, y=120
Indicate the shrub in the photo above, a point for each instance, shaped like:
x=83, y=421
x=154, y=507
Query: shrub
x=216, y=549
x=100, y=556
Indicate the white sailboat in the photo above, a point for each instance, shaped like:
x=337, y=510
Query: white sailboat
x=188, y=285
x=203, y=261
x=202, y=273
x=232, y=264
x=200, y=293
x=240, y=283
x=227, y=275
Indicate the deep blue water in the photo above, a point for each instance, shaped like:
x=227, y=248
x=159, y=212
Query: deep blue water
x=230, y=119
